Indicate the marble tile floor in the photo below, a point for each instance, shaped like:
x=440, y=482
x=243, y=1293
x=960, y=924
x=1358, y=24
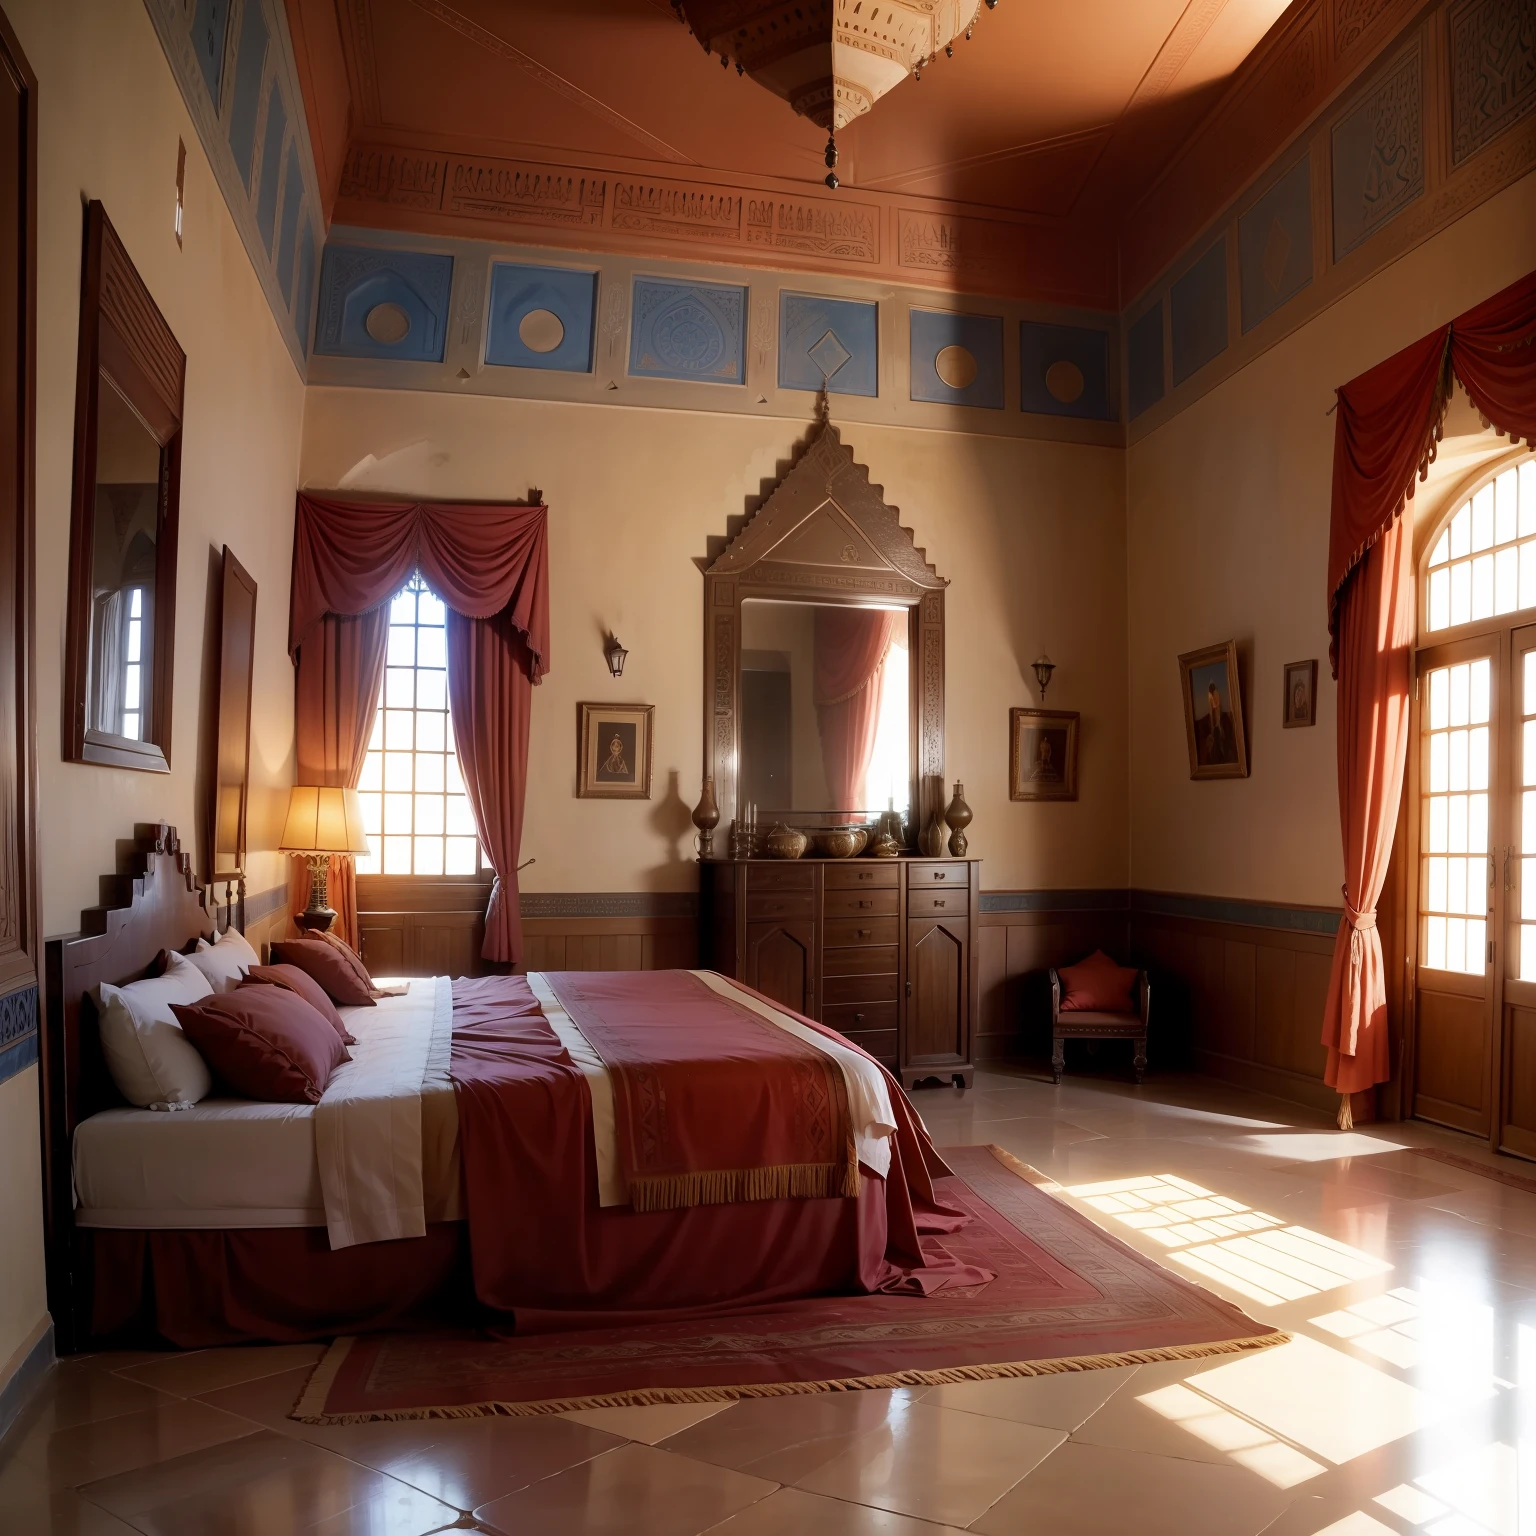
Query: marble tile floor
x=1405, y=1403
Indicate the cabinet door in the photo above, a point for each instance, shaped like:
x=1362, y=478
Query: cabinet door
x=781, y=963
x=938, y=986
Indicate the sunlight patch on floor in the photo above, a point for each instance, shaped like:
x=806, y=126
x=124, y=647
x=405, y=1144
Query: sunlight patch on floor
x=1229, y=1242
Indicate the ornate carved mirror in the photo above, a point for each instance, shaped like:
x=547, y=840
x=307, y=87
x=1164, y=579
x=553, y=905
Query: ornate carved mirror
x=122, y=555
x=824, y=655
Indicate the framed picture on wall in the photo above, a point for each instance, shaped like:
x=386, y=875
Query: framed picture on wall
x=1300, y=693
x=1213, y=713
x=1042, y=754
x=613, y=759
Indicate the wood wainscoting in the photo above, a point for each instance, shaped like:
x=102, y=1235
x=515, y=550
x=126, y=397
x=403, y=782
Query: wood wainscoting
x=421, y=927
x=1239, y=988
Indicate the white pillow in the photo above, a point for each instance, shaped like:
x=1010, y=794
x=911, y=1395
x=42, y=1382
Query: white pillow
x=150, y=1060
x=224, y=961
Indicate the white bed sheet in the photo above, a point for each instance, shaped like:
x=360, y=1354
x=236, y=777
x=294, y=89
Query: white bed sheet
x=235, y=1163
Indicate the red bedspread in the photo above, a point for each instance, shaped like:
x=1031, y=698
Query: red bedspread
x=543, y=1248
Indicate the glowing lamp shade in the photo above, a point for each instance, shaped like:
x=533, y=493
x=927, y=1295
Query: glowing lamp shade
x=324, y=820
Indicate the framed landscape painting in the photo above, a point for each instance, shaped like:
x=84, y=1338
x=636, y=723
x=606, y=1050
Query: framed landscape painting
x=614, y=751
x=1213, y=713
x=1042, y=754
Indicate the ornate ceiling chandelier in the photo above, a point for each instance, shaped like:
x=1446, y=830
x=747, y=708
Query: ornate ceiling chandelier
x=831, y=60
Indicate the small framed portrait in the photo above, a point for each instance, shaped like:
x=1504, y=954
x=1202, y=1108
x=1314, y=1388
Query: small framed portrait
x=614, y=751
x=1042, y=754
x=1213, y=713
x=1300, y=693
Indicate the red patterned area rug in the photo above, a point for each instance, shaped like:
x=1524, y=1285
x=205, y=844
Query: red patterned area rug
x=1068, y=1297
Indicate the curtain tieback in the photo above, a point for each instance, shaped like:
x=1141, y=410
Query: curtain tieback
x=1359, y=923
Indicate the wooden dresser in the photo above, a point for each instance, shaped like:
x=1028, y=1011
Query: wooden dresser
x=880, y=949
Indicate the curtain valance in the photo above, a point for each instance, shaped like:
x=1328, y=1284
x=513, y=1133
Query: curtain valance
x=482, y=559
x=1389, y=419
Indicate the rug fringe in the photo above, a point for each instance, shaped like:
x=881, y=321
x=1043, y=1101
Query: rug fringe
x=321, y=1379
x=643, y=1397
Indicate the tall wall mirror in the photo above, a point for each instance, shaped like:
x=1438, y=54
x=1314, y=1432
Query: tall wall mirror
x=120, y=638
x=230, y=786
x=824, y=656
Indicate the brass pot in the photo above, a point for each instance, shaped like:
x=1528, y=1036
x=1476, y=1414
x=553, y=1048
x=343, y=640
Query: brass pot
x=838, y=842
x=862, y=833
x=785, y=842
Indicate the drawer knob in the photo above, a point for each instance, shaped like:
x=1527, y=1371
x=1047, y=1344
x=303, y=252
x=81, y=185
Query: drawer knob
x=864, y=874
x=866, y=903
x=938, y=874
x=864, y=933
x=858, y=1018
x=939, y=902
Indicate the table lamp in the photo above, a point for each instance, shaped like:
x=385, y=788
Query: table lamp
x=322, y=821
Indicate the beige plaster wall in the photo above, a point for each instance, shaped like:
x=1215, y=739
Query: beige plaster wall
x=110, y=119
x=1030, y=535
x=1227, y=517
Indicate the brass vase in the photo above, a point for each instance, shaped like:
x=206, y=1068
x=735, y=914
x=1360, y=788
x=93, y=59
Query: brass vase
x=958, y=816
x=706, y=817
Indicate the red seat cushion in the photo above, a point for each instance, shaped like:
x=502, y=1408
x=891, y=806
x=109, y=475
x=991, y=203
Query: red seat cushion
x=307, y=987
x=1098, y=985
x=333, y=965
x=265, y=1042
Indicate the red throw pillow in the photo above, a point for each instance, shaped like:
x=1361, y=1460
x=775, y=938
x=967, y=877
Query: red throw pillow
x=1097, y=985
x=307, y=987
x=266, y=1042
x=342, y=975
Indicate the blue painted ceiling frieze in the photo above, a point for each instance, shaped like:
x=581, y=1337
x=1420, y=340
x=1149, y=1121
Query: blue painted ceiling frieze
x=383, y=304
x=690, y=331
x=831, y=341
x=541, y=317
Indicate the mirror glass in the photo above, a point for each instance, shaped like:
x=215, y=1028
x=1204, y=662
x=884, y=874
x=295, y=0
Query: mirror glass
x=825, y=709
x=126, y=530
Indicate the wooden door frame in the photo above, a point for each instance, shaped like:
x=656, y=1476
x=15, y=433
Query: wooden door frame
x=1491, y=640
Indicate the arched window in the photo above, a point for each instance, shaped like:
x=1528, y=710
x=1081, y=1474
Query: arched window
x=1484, y=562
x=414, y=808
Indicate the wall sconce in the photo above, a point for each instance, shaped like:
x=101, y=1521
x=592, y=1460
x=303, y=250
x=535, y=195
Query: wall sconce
x=1043, y=666
x=616, y=655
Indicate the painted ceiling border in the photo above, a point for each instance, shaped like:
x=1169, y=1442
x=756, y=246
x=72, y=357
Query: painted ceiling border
x=175, y=22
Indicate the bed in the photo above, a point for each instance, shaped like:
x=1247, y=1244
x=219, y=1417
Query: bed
x=477, y=1159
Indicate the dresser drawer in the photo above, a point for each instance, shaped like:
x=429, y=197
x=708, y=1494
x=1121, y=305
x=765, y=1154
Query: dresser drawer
x=939, y=903
x=863, y=960
x=862, y=930
x=853, y=1018
x=926, y=876
x=780, y=875
x=776, y=904
x=861, y=903
x=836, y=990
x=880, y=1043
x=863, y=875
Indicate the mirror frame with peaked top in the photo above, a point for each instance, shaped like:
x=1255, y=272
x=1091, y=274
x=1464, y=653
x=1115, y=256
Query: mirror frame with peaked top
x=125, y=344
x=826, y=535
x=229, y=781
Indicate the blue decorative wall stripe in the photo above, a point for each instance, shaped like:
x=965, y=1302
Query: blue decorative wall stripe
x=1199, y=311
x=833, y=339
x=1064, y=370
x=271, y=167
x=404, y=294
x=18, y=1031
x=1144, y=361
x=691, y=331
x=250, y=62
x=541, y=317
x=957, y=359
x=1255, y=914
x=1274, y=245
x=210, y=21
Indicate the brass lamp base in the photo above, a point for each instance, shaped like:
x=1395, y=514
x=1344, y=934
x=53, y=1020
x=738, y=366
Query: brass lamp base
x=318, y=916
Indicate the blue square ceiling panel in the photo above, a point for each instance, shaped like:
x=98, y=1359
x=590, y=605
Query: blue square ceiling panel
x=250, y=61
x=1144, y=361
x=541, y=317
x=831, y=339
x=957, y=359
x=1063, y=370
x=378, y=303
x=691, y=331
x=1199, y=313
x=210, y=21
x=1274, y=244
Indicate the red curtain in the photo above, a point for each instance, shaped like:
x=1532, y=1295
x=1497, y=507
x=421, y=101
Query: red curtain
x=850, y=646
x=336, y=696
x=490, y=565
x=1389, y=421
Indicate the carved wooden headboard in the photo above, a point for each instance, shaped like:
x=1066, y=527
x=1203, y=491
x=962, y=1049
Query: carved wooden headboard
x=152, y=904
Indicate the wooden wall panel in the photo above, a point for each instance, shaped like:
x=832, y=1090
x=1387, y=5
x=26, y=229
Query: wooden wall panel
x=610, y=943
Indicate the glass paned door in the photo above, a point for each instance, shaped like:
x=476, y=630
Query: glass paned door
x=1515, y=1088
x=1460, y=823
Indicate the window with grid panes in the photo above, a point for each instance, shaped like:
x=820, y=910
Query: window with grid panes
x=1484, y=562
x=1453, y=889
x=414, y=808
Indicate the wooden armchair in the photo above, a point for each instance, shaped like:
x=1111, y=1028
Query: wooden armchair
x=1087, y=1024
